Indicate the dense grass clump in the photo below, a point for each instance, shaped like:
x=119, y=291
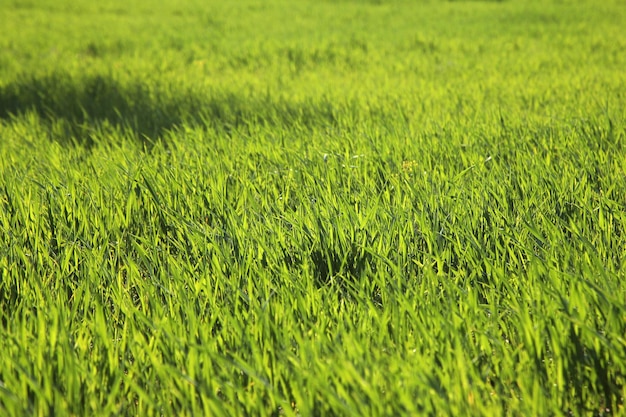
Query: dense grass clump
x=312, y=208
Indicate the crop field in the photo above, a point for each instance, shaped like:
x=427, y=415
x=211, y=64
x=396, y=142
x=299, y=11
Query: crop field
x=312, y=208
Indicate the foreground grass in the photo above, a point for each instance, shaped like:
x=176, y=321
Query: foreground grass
x=319, y=217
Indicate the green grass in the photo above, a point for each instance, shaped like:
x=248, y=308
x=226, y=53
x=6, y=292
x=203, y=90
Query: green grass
x=312, y=208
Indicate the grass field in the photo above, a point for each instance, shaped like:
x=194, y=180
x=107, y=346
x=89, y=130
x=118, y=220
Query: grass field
x=312, y=208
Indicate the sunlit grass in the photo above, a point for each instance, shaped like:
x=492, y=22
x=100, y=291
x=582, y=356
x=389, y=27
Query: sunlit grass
x=204, y=212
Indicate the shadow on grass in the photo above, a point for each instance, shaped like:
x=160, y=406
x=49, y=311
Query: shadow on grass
x=82, y=105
